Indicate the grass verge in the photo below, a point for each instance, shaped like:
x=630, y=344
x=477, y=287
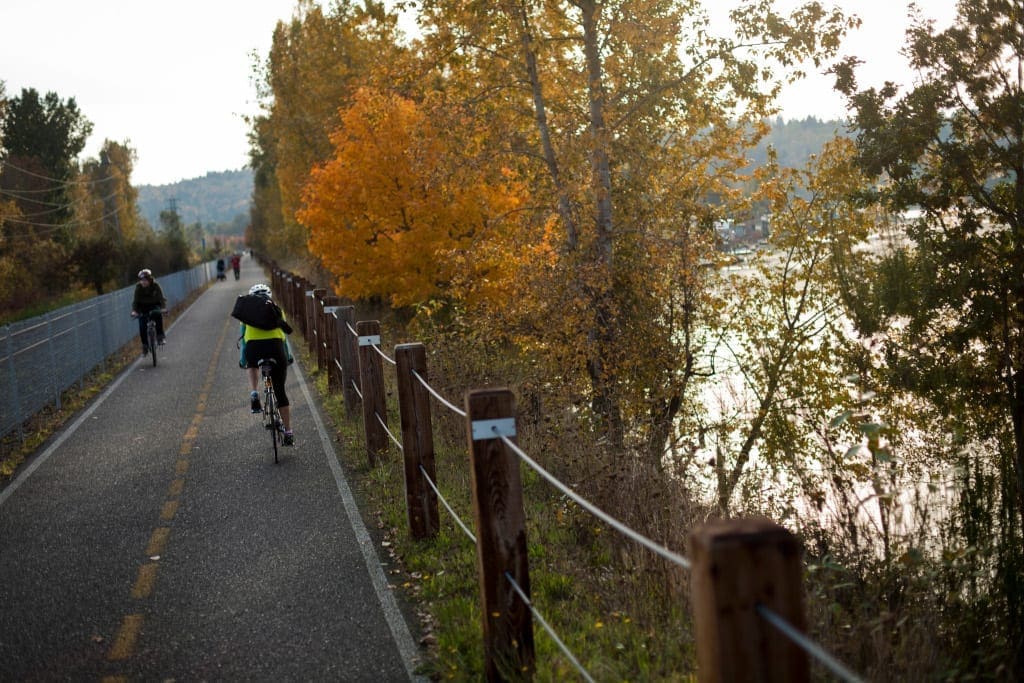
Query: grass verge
x=622, y=619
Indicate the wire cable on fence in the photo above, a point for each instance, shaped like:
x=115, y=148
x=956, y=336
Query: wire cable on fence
x=439, y=397
x=547, y=627
x=771, y=617
x=382, y=354
x=388, y=431
x=597, y=512
x=444, y=502
x=808, y=645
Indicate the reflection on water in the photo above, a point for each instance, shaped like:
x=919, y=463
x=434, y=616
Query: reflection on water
x=837, y=475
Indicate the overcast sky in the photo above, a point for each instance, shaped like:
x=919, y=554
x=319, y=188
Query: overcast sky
x=174, y=79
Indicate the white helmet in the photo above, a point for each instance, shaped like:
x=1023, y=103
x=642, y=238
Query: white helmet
x=260, y=290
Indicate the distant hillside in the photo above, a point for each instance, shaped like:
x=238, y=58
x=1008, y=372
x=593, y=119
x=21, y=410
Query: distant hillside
x=795, y=141
x=220, y=201
x=216, y=199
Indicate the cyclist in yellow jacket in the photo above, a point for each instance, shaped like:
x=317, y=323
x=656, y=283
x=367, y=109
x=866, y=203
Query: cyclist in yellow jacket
x=260, y=344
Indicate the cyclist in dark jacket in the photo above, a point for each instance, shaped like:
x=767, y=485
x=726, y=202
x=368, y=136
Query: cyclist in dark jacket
x=149, y=298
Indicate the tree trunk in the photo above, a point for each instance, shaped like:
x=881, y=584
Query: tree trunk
x=602, y=176
x=518, y=11
x=601, y=335
x=1017, y=410
x=603, y=374
x=663, y=414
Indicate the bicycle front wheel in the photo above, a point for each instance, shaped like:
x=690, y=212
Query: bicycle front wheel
x=152, y=342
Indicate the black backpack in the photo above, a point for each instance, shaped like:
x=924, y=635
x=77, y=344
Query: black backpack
x=259, y=311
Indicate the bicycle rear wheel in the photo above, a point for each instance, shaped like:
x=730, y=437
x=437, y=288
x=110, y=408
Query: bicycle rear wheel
x=270, y=405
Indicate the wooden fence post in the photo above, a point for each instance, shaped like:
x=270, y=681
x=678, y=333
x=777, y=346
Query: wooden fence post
x=298, y=292
x=283, y=295
x=310, y=307
x=501, y=536
x=302, y=286
x=287, y=296
x=348, y=359
x=315, y=313
x=371, y=383
x=276, y=285
x=326, y=351
x=417, y=440
x=737, y=565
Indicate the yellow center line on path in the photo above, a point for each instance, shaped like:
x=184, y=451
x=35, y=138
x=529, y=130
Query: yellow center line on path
x=168, y=511
x=131, y=625
x=124, y=643
x=144, y=581
x=176, y=487
x=157, y=541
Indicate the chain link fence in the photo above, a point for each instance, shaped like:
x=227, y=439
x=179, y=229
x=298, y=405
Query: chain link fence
x=43, y=356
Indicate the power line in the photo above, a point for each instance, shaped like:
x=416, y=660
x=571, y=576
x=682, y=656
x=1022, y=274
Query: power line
x=56, y=208
x=60, y=182
x=50, y=228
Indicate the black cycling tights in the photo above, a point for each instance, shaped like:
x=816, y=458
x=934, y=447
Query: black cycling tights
x=259, y=349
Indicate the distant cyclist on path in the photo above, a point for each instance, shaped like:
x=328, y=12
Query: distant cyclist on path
x=258, y=344
x=149, y=298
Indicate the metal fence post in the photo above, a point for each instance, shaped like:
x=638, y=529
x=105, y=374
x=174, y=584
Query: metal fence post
x=53, y=361
x=15, y=401
x=101, y=320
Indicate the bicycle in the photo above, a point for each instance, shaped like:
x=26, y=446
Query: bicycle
x=151, y=331
x=271, y=413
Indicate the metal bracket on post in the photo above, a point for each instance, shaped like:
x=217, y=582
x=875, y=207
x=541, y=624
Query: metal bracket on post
x=494, y=429
x=370, y=340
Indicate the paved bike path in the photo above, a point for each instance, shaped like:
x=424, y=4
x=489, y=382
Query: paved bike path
x=155, y=538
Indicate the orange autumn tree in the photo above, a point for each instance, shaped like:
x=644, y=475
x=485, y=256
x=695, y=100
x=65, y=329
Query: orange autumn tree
x=405, y=207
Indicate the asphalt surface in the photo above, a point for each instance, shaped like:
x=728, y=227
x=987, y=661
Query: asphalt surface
x=155, y=538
